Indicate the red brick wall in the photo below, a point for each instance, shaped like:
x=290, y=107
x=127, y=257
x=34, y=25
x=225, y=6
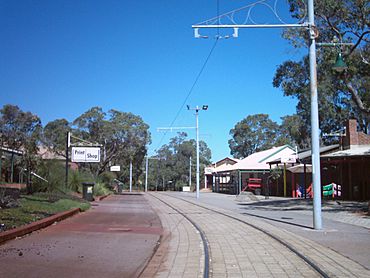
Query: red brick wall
x=353, y=137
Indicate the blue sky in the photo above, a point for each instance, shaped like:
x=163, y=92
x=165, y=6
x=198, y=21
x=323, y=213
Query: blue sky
x=60, y=58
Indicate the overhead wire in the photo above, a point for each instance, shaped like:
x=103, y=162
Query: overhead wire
x=196, y=79
x=191, y=90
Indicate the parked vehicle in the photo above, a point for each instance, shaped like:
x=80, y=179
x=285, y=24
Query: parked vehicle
x=254, y=185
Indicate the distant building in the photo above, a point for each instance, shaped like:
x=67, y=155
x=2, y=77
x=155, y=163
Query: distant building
x=231, y=176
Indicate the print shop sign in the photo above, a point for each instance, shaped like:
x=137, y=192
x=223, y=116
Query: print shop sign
x=85, y=154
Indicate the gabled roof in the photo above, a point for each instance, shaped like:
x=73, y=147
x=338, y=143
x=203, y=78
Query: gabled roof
x=304, y=155
x=45, y=153
x=223, y=165
x=226, y=160
x=223, y=168
x=259, y=160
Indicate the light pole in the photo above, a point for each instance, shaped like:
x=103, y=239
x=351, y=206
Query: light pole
x=315, y=141
x=147, y=169
x=190, y=172
x=146, y=173
x=130, y=175
x=310, y=25
x=197, y=108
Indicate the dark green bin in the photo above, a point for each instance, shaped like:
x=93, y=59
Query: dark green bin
x=88, y=191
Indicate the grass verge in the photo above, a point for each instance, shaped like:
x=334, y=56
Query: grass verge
x=35, y=207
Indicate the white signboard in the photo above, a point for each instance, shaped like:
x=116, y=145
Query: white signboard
x=115, y=168
x=289, y=159
x=85, y=154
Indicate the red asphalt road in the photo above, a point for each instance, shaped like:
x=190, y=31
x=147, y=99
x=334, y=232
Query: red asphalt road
x=115, y=238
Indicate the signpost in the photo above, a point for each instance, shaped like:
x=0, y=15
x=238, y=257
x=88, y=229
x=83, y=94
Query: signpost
x=115, y=168
x=85, y=154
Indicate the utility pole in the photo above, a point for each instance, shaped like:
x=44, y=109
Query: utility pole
x=68, y=143
x=130, y=175
x=316, y=177
x=310, y=26
x=190, y=172
x=197, y=108
x=147, y=169
x=146, y=173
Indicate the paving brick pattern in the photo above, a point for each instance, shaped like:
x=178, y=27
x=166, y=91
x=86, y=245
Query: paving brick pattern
x=180, y=253
x=238, y=250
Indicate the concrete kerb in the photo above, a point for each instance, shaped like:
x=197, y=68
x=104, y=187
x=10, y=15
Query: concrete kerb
x=42, y=223
x=100, y=198
x=37, y=225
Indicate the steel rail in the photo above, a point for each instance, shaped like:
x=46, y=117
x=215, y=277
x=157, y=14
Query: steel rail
x=201, y=232
x=282, y=242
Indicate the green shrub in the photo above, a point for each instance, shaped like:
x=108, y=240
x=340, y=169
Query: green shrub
x=107, y=178
x=54, y=172
x=81, y=177
x=100, y=189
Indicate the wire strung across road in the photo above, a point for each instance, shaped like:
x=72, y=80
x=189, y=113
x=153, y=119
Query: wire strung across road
x=190, y=91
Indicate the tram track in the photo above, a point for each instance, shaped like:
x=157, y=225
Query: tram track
x=206, y=245
x=202, y=235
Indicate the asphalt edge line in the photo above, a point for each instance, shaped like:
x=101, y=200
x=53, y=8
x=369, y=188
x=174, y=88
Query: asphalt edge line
x=37, y=225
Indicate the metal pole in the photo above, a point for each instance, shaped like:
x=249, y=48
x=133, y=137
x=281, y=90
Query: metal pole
x=12, y=168
x=284, y=179
x=316, y=178
x=190, y=172
x=1, y=162
x=197, y=132
x=67, y=158
x=130, y=175
x=146, y=174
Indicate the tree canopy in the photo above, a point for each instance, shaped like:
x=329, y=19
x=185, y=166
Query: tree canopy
x=341, y=95
x=170, y=169
x=252, y=134
x=123, y=137
x=20, y=131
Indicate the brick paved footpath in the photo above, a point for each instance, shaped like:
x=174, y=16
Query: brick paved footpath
x=236, y=250
x=115, y=238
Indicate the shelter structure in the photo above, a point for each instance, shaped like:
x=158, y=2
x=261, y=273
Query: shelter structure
x=232, y=178
x=346, y=166
x=9, y=173
x=297, y=175
x=349, y=167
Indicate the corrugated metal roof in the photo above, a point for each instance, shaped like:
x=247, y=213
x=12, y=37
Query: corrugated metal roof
x=258, y=160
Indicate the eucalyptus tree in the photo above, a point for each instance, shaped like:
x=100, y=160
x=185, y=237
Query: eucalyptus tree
x=21, y=131
x=123, y=137
x=341, y=95
x=55, y=134
x=174, y=161
x=252, y=134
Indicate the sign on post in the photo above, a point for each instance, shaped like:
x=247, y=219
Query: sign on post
x=85, y=154
x=115, y=168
